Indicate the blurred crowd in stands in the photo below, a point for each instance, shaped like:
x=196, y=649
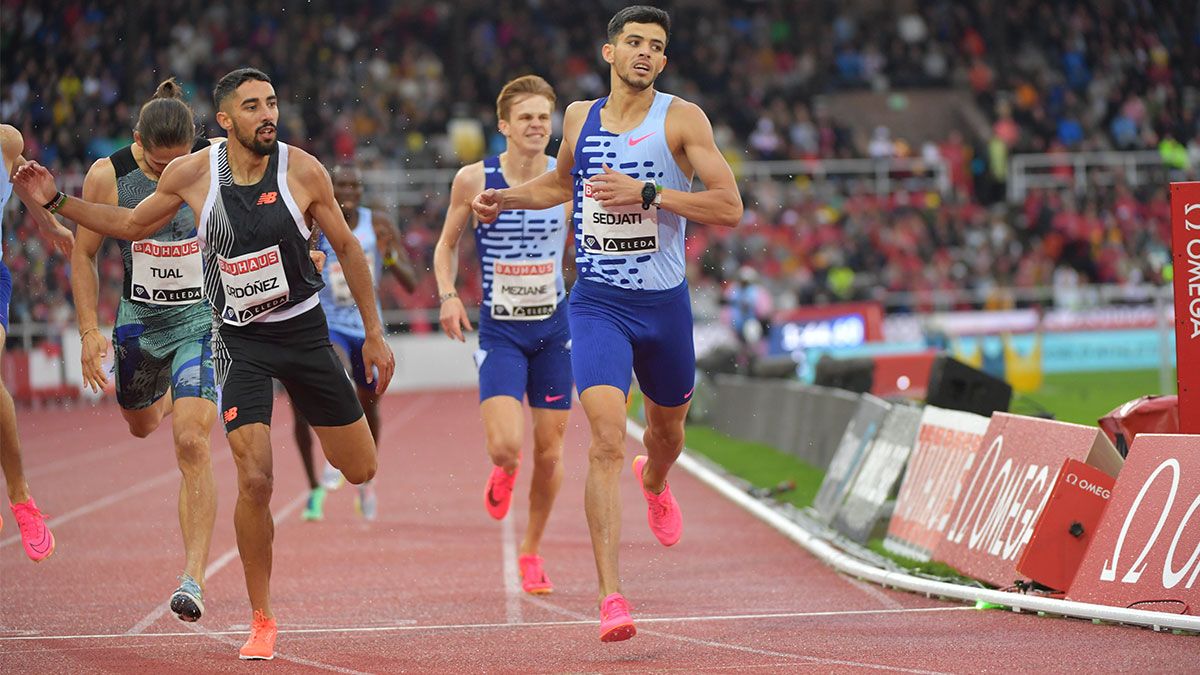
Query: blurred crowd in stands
x=412, y=85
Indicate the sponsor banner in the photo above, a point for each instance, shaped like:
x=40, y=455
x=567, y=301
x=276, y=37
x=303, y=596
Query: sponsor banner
x=1004, y=491
x=834, y=326
x=1066, y=526
x=914, y=327
x=1146, y=553
x=1185, y=228
x=876, y=480
x=945, y=448
x=851, y=453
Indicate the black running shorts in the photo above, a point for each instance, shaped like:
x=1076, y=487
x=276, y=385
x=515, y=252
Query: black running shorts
x=297, y=352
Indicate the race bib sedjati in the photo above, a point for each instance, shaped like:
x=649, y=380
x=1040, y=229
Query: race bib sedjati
x=620, y=230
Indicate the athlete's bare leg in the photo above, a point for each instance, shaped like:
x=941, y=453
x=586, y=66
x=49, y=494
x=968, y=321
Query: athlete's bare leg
x=144, y=421
x=663, y=440
x=605, y=408
x=251, y=445
x=549, y=426
x=304, y=441
x=504, y=429
x=350, y=449
x=193, y=423
x=10, y=444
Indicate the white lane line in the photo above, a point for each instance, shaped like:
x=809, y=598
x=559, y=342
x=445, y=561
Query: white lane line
x=512, y=587
x=279, y=656
x=872, y=591
x=804, y=658
x=216, y=566
x=137, y=489
x=582, y=621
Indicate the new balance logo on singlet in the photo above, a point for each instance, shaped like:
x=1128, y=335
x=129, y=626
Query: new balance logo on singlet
x=267, y=198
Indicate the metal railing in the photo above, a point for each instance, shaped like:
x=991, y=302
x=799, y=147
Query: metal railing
x=1033, y=171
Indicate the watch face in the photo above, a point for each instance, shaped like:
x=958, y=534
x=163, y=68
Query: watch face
x=648, y=191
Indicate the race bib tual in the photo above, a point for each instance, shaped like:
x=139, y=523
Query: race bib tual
x=620, y=230
x=254, y=284
x=523, y=290
x=166, y=272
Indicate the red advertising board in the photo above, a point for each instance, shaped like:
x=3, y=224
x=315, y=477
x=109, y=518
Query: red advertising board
x=945, y=449
x=1185, y=255
x=1004, y=492
x=1147, y=548
x=1066, y=526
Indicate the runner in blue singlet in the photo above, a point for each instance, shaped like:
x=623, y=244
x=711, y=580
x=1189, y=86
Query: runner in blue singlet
x=524, y=342
x=627, y=162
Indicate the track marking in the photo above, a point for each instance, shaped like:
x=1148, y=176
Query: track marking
x=766, y=652
x=215, y=566
x=512, y=587
x=409, y=628
x=873, y=591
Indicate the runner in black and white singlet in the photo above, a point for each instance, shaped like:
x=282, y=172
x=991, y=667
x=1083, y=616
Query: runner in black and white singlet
x=627, y=161
x=36, y=538
x=255, y=198
x=524, y=343
x=162, y=353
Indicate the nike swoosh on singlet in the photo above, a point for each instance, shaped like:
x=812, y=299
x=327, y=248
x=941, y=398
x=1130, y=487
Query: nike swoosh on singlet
x=635, y=141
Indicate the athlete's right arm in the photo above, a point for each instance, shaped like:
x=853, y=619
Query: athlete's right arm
x=99, y=186
x=549, y=189
x=35, y=184
x=467, y=182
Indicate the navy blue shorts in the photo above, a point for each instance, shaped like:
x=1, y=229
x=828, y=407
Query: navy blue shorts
x=526, y=358
x=5, y=294
x=352, y=346
x=648, y=333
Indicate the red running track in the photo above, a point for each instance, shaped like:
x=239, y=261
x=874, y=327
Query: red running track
x=429, y=587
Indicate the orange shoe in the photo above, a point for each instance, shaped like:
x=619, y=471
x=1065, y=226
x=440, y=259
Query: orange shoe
x=533, y=578
x=498, y=495
x=261, y=645
x=615, y=622
x=37, y=538
x=662, y=510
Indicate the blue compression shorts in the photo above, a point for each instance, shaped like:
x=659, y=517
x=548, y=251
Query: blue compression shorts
x=619, y=332
x=526, y=358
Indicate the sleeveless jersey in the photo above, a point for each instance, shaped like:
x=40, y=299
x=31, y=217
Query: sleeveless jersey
x=340, y=309
x=255, y=245
x=520, y=256
x=6, y=190
x=629, y=247
x=167, y=273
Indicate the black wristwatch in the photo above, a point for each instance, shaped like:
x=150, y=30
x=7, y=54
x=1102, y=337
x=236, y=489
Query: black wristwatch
x=649, y=192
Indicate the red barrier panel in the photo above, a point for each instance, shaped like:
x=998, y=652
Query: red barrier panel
x=16, y=375
x=945, y=449
x=1067, y=525
x=1003, y=494
x=902, y=374
x=1185, y=254
x=1147, y=547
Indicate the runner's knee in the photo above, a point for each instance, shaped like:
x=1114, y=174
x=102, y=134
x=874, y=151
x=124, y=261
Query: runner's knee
x=191, y=449
x=608, y=443
x=256, y=487
x=360, y=471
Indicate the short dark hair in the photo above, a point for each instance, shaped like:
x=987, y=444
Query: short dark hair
x=638, y=14
x=165, y=121
x=229, y=84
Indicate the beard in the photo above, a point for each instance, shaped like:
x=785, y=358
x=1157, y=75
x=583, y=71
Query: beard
x=251, y=141
x=627, y=78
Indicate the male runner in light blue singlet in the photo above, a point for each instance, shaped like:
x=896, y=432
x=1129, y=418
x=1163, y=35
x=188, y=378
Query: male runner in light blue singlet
x=380, y=242
x=35, y=536
x=524, y=341
x=627, y=161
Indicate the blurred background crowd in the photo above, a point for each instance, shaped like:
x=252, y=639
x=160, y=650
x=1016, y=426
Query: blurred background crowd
x=393, y=86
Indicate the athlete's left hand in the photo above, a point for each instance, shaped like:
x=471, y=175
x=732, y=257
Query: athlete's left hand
x=378, y=358
x=59, y=237
x=613, y=188
x=318, y=258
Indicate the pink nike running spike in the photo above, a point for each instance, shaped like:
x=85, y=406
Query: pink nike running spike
x=37, y=538
x=498, y=495
x=662, y=510
x=615, y=622
x=533, y=578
